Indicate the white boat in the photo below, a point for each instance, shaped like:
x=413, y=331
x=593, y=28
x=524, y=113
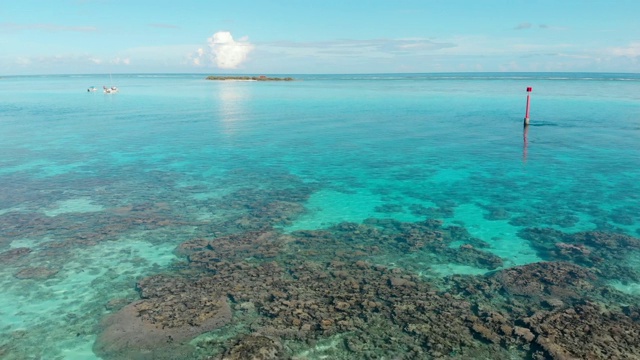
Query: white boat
x=92, y=89
x=111, y=89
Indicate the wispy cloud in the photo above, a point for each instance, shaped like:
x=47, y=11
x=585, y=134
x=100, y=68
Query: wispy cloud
x=164, y=26
x=631, y=51
x=523, y=26
x=71, y=59
x=576, y=56
x=369, y=47
x=528, y=25
x=45, y=27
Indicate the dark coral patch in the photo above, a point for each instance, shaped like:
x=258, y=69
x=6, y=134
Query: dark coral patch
x=289, y=291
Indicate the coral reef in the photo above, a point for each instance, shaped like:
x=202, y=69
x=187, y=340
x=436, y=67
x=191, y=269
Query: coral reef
x=159, y=328
x=312, y=285
x=39, y=272
x=255, y=347
x=392, y=239
x=13, y=255
x=606, y=253
x=560, y=280
x=585, y=331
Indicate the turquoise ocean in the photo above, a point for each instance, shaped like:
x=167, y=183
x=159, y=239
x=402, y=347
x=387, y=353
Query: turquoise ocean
x=427, y=183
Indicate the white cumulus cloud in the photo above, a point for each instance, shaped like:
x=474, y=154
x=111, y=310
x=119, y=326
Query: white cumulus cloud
x=224, y=52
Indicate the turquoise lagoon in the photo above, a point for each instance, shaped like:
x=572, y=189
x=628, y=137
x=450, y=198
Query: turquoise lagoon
x=101, y=188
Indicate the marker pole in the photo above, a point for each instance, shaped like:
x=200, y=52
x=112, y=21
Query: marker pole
x=525, y=143
x=526, y=116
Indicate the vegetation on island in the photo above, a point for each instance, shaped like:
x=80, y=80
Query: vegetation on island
x=249, y=78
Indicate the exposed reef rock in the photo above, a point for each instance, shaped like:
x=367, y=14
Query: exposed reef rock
x=160, y=325
x=261, y=244
x=606, y=253
x=585, y=331
x=560, y=280
x=290, y=291
x=255, y=347
x=393, y=239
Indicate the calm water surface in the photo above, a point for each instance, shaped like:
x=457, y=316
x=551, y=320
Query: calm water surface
x=98, y=190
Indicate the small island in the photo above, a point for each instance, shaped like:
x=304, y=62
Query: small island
x=248, y=78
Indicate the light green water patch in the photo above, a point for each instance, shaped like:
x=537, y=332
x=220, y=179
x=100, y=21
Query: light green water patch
x=77, y=205
x=28, y=166
x=632, y=226
x=12, y=209
x=131, y=257
x=202, y=196
x=120, y=158
x=328, y=207
x=65, y=309
x=585, y=223
x=208, y=215
x=499, y=234
x=26, y=242
x=633, y=260
x=184, y=165
x=447, y=175
x=214, y=171
x=627, y=288
x=324, y=349
x=457, y=269
x=146, y=156
x=81, y=352
x=428, y=266
x=54, y=170
x=203, y=191
x=74, y=284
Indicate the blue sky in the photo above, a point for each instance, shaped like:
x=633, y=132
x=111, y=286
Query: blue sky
x=328, y=36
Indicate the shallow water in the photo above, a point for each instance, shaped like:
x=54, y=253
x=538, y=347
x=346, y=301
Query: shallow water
x=101, y=188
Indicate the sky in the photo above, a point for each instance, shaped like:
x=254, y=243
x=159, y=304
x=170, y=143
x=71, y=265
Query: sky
x=318, y=37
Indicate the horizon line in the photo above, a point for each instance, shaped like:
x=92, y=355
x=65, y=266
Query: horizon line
x=315, y=74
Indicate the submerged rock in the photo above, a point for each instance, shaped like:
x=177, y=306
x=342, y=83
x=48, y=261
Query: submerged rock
x=13, y=255
x=585, y=331
x=255, y=347
x=159, y=329
x=605, y=252
x=38, y=273
x=558, y=279
x=315, y=286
